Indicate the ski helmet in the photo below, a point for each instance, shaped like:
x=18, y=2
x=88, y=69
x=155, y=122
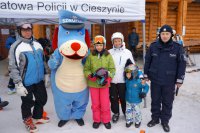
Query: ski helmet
x=117, y=35
x=99, y=39
x=23, y=25
x=133, y=69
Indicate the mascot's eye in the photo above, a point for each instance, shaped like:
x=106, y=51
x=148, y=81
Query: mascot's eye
x=81, y=33
x=67, y=32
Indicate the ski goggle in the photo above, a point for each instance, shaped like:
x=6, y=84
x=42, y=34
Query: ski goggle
x=99, y=40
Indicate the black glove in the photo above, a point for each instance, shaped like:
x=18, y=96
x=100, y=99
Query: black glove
x=142, y=95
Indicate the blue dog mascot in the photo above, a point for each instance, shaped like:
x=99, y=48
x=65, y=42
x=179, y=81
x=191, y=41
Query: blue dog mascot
x=68, y=83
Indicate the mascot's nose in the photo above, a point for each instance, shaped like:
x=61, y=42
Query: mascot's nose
x=75, y=46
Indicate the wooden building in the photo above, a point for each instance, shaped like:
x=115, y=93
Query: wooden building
x=182, y=15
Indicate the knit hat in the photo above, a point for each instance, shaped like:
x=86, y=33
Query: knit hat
x=166, y=28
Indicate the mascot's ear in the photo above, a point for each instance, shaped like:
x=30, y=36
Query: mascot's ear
x=55, y=39
x=87, y=38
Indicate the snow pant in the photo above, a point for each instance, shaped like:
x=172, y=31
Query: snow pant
x=11, y=84
x=100, y=104
x=133, y=112
x=39, y=92
x=162, y=95
x=117, y=93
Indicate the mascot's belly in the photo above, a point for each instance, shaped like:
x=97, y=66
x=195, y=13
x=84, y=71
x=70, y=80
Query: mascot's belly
x=70, y=77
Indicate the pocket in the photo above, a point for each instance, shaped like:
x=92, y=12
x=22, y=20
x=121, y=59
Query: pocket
x=171, y=73
x=152, y=74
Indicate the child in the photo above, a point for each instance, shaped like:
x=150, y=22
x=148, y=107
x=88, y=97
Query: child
x=118, y=87
x=136, y=90
x=99, y=69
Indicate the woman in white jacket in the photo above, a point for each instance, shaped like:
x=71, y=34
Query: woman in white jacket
x=117, y=90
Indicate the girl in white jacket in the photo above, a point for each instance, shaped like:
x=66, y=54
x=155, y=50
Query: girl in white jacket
x=117, y=90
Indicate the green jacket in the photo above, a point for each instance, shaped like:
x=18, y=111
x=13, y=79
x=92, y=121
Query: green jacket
x=93, y=63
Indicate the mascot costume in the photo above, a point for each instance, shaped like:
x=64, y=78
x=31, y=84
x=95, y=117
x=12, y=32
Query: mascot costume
x=68, y=83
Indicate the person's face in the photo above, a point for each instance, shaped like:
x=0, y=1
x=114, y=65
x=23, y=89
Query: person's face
x=165, y=36
x=128, y=75
x=99, y=47
x=133, y=30
x=26, y=33
x=117, y=42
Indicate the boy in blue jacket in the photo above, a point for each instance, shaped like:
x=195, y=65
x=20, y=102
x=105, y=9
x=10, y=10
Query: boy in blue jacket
x=136, y=89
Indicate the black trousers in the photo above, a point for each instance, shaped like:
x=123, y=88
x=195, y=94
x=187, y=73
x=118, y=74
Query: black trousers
x=117, y=93
x=162, y=97
x=133, y=50
x=40, y=94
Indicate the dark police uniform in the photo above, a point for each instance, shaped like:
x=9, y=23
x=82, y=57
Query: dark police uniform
x=165, y=66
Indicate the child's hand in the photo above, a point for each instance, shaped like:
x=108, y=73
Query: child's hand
x=142, y=95
x=92, y=78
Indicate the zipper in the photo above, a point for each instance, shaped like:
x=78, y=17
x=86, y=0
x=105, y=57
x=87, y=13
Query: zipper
x=35, y=54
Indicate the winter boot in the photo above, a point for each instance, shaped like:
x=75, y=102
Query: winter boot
x=137, y=125
x=115, y=118
x=3, y=104
x=107, y=125
x=96, y=125
x=43, y=120
x=153, y=123
x=30, y=125
x=11, y=91
x=80, y=122
x=128, y=124
x=62, y=123
x=165, y=127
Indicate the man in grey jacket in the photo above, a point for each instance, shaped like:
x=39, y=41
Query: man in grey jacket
x=27, y=69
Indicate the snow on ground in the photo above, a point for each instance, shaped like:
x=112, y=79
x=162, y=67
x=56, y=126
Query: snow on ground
x=185, y=119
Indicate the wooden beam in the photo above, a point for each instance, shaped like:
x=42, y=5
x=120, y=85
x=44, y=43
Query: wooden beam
x=163, y=12
x=150, y=25
x=181, y=16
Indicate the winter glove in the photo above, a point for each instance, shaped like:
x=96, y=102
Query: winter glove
x=92, y=77
x=21, y=90
x=108, y=80
x=47, y=80
x=146, y=77
x=142, y=95
x=53, y=63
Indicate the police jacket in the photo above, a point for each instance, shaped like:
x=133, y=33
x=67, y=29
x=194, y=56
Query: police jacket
x=26, y=62
x=165, y=64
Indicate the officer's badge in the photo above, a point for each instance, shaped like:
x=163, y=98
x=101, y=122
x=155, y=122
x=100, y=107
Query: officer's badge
x=172, y=55
x=164, y=30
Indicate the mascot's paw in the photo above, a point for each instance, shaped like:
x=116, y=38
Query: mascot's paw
x=53, y=63
x=62, y=123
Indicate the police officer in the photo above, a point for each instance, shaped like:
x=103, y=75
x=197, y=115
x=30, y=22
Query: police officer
x=165, y=67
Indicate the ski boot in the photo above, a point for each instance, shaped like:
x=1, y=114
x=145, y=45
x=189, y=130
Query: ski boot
x=30, y=126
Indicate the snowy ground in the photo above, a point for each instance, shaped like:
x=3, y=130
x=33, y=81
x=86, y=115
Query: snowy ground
x=186, y=111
